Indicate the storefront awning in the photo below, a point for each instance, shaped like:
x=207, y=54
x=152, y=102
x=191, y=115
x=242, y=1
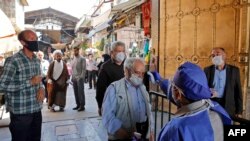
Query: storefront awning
x=126, y=6
x=83, y=23
x=99, y=28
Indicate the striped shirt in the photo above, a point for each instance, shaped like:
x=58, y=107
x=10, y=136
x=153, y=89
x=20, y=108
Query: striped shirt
x=15, y=83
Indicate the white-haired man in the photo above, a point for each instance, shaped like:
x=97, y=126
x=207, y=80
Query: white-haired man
x=126, y=107
x=57, y=77
x=44, y=69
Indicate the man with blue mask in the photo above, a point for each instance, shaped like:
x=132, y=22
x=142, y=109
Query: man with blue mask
x=126, y=108
x=21, y=81
x=224, y=81
x=110, y=71
x=197, y=118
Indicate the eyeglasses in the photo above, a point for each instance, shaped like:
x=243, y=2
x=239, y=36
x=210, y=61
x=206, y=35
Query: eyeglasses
x=176, y=88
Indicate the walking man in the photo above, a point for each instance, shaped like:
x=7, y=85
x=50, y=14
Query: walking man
x=57, y=81
x=44, y=69
x=91, y=68
x=111, y=71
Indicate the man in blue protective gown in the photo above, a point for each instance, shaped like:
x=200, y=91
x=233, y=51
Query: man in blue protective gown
x=197, y=118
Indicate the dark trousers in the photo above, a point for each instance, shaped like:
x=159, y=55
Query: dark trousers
x=86, y=77
x=78, y=86
x=221, y=101
x=92, y=78
x=44, y=81
x=141, y=128
x=26, y=127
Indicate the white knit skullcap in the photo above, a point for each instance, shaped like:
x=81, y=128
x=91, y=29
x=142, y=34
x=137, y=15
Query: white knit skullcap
x=57, y=52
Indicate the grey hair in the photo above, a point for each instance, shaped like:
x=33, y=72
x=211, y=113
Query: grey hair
x=40, y=52
x=129, y=62
x=57, y=52
x=115, y=44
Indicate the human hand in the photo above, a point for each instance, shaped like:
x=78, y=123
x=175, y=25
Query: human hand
x=214, y=93
x=35, y=80
x=238, y=115
x=40, y=95
x=151, y=137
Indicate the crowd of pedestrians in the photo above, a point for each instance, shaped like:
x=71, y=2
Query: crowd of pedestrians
x=123, y=101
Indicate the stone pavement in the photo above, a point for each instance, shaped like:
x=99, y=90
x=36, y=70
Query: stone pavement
x=69, y=125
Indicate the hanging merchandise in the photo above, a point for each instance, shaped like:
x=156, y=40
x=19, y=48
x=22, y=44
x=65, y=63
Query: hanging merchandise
x=146, y=12
x=147, y=58
x=146, y=47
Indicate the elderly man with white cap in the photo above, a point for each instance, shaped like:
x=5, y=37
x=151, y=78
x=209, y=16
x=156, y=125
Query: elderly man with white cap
x=197, y=118
x=57, y=77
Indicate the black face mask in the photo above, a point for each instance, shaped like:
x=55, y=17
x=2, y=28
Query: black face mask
x=32, y=45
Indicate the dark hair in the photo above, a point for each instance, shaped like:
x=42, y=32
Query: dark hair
x=106, y=57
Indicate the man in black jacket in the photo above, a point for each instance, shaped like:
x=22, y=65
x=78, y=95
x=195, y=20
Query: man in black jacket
x=224, y=81
x=110, y=71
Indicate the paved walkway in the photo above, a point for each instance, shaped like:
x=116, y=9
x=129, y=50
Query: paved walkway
x=72, y=125
x=69, y=125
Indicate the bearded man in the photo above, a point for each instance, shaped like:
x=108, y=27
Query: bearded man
x=57, y=82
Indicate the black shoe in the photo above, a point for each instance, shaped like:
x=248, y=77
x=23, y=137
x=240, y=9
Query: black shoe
x=81, y=109
x=76, y=108
x=61, y=109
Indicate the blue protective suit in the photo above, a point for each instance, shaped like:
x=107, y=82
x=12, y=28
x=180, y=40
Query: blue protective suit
x=195, y=127
x=194, y=124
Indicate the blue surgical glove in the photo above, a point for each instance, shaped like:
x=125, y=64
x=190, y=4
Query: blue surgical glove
x=165, y=86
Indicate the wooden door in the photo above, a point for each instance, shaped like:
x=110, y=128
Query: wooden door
x=190, y=29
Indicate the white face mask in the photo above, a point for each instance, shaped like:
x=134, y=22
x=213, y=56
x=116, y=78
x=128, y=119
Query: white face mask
x=120, y=57
x=136, y=81
x=217, y=60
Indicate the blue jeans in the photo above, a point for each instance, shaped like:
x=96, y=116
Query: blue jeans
x=26, y=127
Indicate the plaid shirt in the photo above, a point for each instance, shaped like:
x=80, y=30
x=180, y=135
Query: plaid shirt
x=15, y=83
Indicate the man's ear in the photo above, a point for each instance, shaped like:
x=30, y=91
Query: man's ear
x=22, y=42
x=128, y=72
x=178, y=95
x=111, y=54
